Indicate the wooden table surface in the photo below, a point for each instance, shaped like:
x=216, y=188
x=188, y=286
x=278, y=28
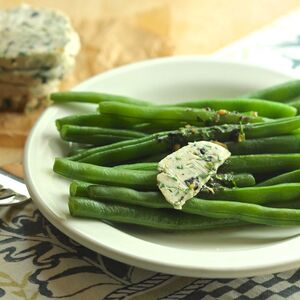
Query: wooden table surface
x=112, y=32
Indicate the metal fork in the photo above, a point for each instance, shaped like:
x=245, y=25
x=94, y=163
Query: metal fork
x=12, y=190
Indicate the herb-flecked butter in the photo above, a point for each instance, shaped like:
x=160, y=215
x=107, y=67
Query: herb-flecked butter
x=183, y=173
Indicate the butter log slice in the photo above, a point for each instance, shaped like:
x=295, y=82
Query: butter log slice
x=184, y=172
x=40, y=75
x=23, y=98
x=32, y=38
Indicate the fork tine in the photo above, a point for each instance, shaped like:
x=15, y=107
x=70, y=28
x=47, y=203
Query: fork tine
x=13, y=184
x=14, y=200
x=12, y=190
x=5, y=193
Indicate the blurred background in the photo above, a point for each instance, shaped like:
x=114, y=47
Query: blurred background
x=117, y=32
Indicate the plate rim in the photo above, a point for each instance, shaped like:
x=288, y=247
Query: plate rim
x=129, y=258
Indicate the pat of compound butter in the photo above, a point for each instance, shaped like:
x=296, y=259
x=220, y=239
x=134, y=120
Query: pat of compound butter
x=183, y=173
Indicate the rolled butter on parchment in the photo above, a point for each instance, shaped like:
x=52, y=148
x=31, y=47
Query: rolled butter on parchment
x=37, y=50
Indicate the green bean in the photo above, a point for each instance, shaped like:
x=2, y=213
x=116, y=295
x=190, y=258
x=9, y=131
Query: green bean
x=261, y=163
x=225, y=180
x=248, y=212
x=276, y=144
x=253, y=164
x=128, y=196
x=146, y=166
x=93, y=97
x=264, y=108
x=286, y=192
x=252, y=213
x=96, y=135
x=168, y=125
x=102, y=175
x=79, y=188
x=295, y=103
x=283, y=92
x=126, y=153
x=154, y=218
x=96, y=120
x=200, y=117
x=272, y=128
x=230, y=180
x=119, y=145
x=154, y=126
x=164, y=142
x=107, y=121
x=290, y=177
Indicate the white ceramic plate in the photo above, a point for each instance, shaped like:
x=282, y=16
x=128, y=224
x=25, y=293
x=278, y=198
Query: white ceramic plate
x=233, y=252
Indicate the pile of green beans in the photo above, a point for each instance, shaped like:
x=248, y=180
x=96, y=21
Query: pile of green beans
x=164, y=142
x=118, y=146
